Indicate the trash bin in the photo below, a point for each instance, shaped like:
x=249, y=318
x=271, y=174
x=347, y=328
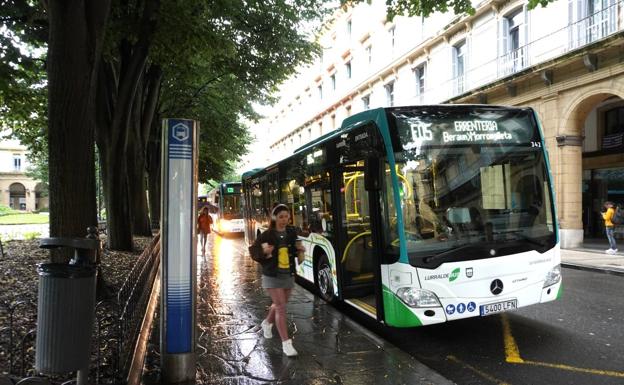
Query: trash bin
x=65, y=309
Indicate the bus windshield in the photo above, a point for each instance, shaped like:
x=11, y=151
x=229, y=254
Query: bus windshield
x=232, y=206
x=473, y=183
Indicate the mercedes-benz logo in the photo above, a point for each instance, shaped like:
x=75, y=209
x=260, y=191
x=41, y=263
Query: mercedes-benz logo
x=496, y=287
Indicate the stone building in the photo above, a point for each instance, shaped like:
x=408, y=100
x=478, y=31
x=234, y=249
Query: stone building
x=17, y=190
x=565, y=60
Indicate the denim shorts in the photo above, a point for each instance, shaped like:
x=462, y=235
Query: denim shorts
x=281, y=281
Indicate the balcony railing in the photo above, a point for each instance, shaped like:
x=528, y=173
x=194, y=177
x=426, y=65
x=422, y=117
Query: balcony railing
x=594, y=27
x=557, y=43
x=552, y=45
x=513, y=61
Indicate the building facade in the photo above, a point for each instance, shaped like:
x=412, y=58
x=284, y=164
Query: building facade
x=17, y=190
x=565, y=60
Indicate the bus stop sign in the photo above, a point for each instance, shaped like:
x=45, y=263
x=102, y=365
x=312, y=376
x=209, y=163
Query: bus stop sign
x=179, y=206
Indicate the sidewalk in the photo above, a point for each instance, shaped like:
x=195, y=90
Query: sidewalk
x=592, y=257
x=332, y=348
x=8, y=232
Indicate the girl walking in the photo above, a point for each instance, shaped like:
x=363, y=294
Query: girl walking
x=279, y=247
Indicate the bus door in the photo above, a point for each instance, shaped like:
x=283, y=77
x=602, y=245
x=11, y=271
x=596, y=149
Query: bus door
x=357, y=254
x=319, y=202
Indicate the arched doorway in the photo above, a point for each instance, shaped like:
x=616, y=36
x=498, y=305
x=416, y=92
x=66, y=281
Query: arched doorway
x=41, y=196
x=17, y=199
x=600, y=120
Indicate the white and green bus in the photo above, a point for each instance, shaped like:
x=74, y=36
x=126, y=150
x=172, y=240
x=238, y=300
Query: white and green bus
x=228, y=218
x=421, y=215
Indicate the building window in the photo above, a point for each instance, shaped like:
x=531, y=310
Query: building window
x=17, y=162
x=513, y=41
x=591, y=20
x=349, y=28
x=320, y=91
x=392, y=33
x=369, y=54
x=613, y=128
x=348, y=111
x=348, y=69
x=333, y=81
x=309, y=132
x=389, y=87
x=459, y=66
x=320, y=128
x=366, y=102
x=333, y=122
x=419, y=80
x=614, y=121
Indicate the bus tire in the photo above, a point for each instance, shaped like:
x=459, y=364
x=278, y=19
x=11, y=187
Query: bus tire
x=323, y=279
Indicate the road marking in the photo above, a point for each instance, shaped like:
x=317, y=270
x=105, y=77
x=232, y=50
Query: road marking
x=477, y=371
x=512, y=356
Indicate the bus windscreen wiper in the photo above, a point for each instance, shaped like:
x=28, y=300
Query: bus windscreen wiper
x=520, y=236
x=449, y=252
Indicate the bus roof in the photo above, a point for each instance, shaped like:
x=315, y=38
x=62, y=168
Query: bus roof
x=251, y=172
x=364, y=117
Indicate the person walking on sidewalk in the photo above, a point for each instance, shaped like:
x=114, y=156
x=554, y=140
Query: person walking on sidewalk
x=607, y=215
x=280, y=247
x=204, y=222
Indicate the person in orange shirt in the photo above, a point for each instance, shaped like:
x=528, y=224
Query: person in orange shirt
x=607, y=215
x=204, y=223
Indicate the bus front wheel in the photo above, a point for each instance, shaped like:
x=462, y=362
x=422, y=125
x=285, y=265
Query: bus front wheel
x=324, y=283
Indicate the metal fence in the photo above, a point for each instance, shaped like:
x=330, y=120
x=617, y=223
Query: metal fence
x=118, y=323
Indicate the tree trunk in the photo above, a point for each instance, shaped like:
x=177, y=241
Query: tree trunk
x=74, y=48
x=137, y=185
x=154, y=160
x=144, y=111
x=114, y=175
x=113, y=138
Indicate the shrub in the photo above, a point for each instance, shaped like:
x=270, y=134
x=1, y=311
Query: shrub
x=30, y=235
x=6, y=210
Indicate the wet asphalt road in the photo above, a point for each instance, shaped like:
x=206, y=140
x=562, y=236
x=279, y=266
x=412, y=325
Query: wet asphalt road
x=576, y=340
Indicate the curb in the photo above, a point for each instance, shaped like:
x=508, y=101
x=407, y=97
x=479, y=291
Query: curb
x=603, y=270
x=390, y=349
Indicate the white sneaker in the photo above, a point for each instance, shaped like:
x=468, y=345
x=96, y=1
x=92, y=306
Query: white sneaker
x=609, y=251
x=267, y=329
x=615, y=251
x=288, y=349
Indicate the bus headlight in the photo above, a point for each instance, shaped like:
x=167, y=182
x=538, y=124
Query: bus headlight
x=553, y=276
x=414, y=297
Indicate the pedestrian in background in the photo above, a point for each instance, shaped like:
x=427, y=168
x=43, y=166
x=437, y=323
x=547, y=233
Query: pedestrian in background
x=204, y=224
x=607, y=215
x=279, y=247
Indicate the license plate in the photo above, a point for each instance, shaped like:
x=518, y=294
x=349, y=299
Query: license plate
x=498, y=307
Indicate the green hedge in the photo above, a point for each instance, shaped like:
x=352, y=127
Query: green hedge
x=5, y=210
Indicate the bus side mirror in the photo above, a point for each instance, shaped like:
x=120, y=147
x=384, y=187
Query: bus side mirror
x=372, y=174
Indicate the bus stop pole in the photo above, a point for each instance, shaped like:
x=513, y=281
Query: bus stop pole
x=179, y=248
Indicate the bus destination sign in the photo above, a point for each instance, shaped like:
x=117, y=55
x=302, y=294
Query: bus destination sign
x=417, y=131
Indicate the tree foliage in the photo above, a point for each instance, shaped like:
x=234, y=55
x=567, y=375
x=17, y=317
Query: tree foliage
x=229, y=55
x=206, y=61
x=23, y=94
